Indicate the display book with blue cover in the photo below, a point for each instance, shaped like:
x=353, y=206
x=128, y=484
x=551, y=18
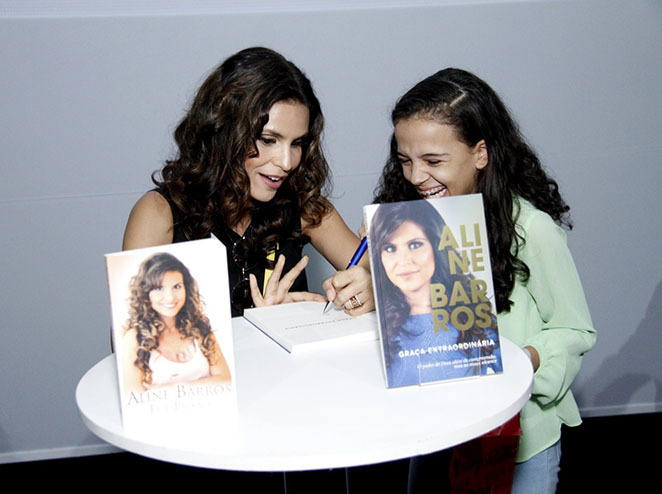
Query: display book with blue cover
x=433, y=287
x=172, y=334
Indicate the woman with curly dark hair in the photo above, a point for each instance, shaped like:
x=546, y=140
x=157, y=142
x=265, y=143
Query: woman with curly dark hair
x=168, y=338
x=251, y=171
x=453, y=135
x=405, y=237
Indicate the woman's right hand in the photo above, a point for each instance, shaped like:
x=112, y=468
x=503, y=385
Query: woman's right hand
x=277, y=290
x=353, y=283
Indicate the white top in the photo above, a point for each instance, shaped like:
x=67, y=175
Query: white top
x=327, y=408
x=166, y=371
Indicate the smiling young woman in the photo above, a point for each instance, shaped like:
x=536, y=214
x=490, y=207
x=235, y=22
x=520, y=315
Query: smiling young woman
x=250, y=169
x=435, y=161
x=453, y=135
x=169, y=296
x=168, y=338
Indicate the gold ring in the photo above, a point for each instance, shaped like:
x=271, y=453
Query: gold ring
x=355, y=302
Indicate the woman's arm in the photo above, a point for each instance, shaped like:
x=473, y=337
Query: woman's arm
x=150, y=223
x=533, y=356
x=219, y=372
x=334, y=240
x=337, y=243
x=567, y=330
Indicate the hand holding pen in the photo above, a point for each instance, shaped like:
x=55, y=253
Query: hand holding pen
x=356, y=281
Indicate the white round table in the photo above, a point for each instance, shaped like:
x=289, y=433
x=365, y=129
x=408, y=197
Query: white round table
x=326, y=408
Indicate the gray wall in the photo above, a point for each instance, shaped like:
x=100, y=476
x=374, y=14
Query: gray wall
x=89, y=104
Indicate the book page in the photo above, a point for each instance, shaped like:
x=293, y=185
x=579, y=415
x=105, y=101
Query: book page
x=305, y=323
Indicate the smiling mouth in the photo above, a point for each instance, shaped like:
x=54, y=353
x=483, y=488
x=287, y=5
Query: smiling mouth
x=408, y=274
x=438, y=191
x=273, y=181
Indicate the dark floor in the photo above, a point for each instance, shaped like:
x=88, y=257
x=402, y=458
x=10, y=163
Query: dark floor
x=601, y=454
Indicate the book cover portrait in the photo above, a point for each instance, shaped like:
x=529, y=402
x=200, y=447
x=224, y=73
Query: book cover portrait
x=171, y=329
x=434, y=292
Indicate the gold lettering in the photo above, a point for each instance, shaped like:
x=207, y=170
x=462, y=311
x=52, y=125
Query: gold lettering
x=484, y=316
x=459, y=294
x=455, y=318
x=477, y=260
x=463, y=237
x=478, y=291
x=438, y=296
x=447, y=239
x=477, y=234
x=440, y=319
x=455, y=260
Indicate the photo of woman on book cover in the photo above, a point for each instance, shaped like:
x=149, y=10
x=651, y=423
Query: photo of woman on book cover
x=404, y=240
x=168, y=338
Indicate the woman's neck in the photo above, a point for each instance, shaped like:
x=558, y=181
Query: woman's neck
x=241, y=226
x=419, y=301
x=169, y=323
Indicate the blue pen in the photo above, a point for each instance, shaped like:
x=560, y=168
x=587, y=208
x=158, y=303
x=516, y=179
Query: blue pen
x=355, y=260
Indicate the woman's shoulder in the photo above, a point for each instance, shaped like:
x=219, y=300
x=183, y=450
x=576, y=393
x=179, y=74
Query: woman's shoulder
x=329, y=221
x=326, y=218
x=416, y=325
x=129, y=342
x=156, y=200
x=531, y=219
x=542, y=236
x=150, y=222
x=129, y=334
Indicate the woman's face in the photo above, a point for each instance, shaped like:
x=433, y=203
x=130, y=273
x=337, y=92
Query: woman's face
x=408, y=258
x=280, y=148
x=435, y=160
x=168, y=298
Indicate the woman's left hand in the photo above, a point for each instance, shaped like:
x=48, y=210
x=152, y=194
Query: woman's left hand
x=277, y=290
x=351, y=289
x=535, y=357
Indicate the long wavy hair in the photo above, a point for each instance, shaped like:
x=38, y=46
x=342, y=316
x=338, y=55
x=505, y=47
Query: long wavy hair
x=191, y=320
x=207, y=180
x=394, y=308
x=458, y=98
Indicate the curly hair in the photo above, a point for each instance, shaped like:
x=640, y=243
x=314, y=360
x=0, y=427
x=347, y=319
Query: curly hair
x=394, y=309
x=465, y=102
x=207, y=180
x=191, y=321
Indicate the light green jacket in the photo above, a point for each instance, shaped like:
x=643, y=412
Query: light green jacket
x=550, y=314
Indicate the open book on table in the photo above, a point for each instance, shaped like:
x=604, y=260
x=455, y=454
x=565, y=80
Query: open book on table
x=304, y=325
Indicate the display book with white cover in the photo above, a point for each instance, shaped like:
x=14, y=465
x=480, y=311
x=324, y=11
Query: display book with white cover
x=303, y=326
x=433, y=287
x=172, y=333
